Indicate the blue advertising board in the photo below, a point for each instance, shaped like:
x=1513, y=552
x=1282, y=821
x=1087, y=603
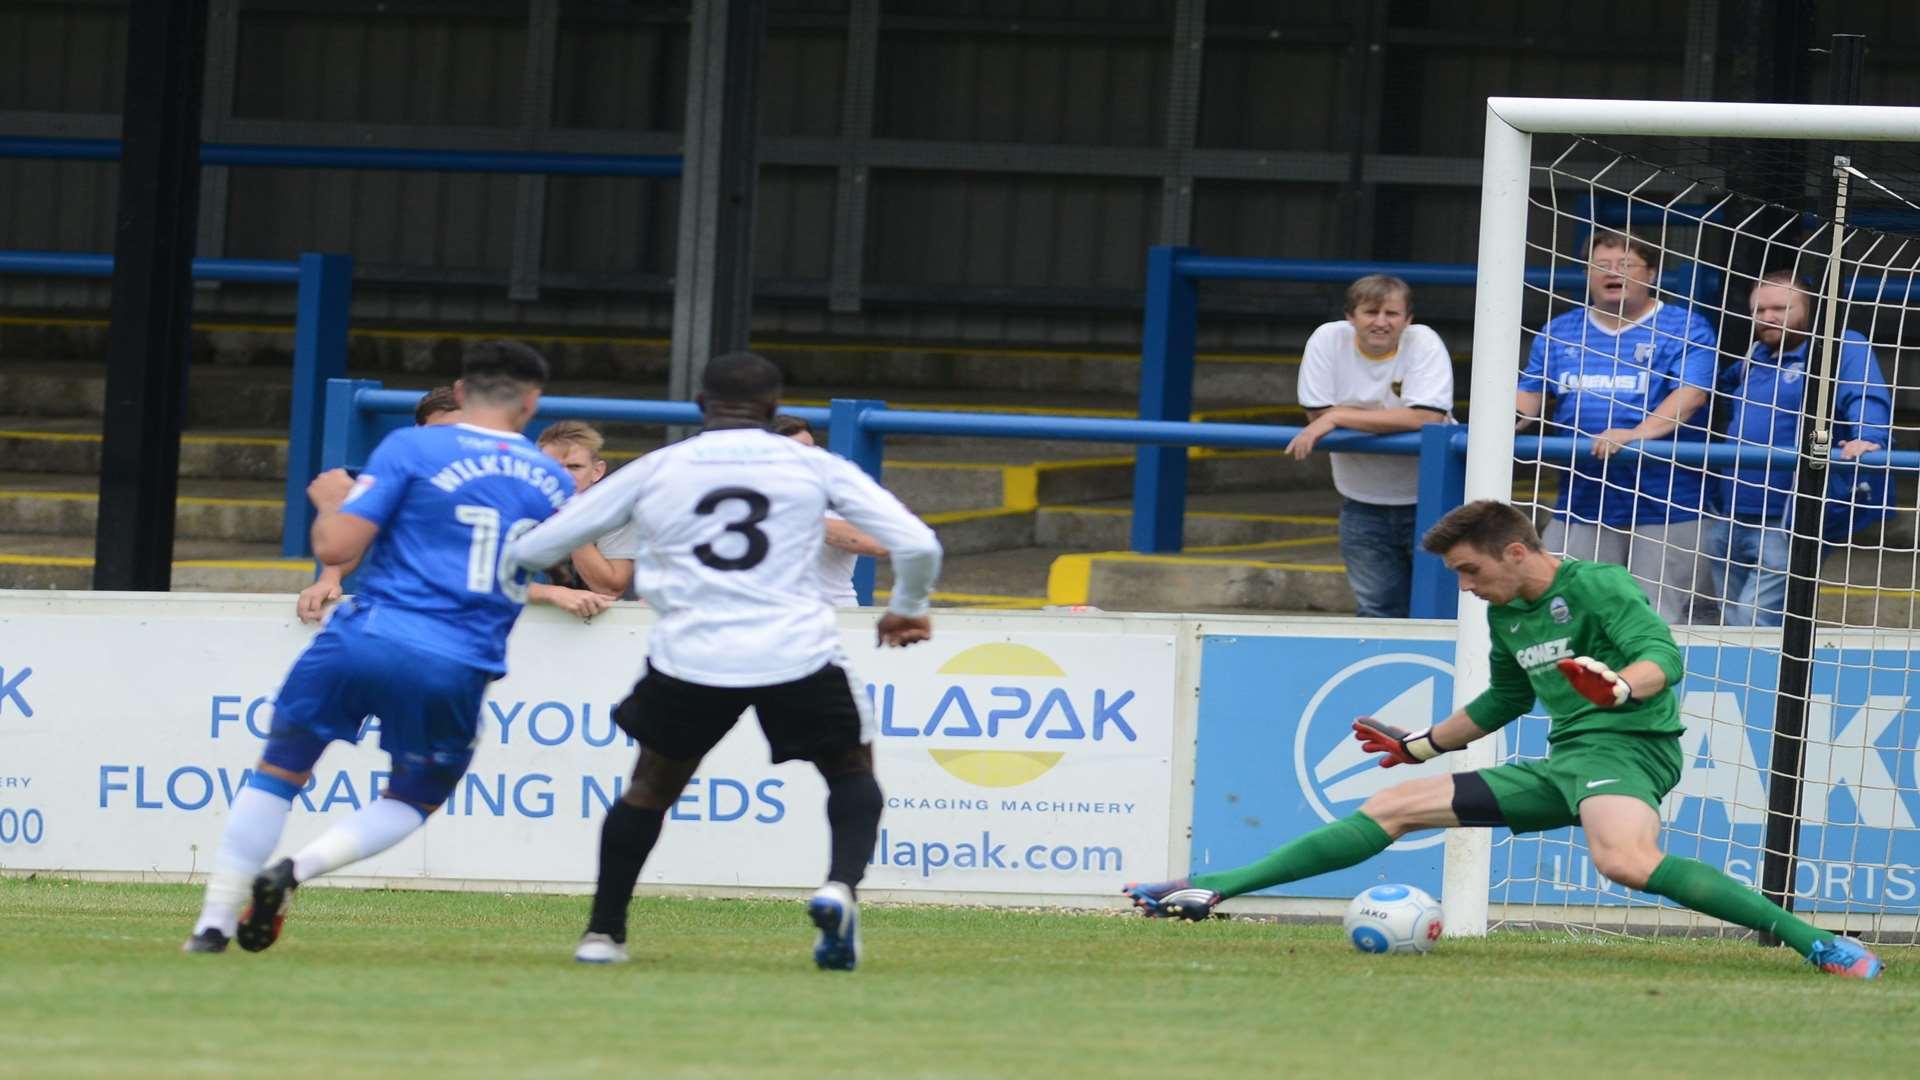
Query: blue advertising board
x=1276, y=758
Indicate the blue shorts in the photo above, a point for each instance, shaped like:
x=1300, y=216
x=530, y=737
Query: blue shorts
x=428, y=708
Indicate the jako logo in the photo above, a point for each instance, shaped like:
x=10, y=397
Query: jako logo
x=1004, y=704
x=1334, y=772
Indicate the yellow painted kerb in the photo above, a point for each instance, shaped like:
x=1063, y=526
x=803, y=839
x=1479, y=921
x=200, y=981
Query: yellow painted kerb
x=1070, y=578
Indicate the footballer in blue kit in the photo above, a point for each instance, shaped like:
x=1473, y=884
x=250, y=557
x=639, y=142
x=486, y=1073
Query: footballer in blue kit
x=430, y=514
x=1625, y=368
x=1765, y=392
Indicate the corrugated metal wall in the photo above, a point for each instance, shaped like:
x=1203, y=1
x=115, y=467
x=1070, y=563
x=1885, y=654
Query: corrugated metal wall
x=1011, y=174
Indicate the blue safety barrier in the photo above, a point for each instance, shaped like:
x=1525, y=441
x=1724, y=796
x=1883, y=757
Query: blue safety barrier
x=1172, y=314
x=359, y=413
x=1167, y=352
x=366, y=157
x=325, y=292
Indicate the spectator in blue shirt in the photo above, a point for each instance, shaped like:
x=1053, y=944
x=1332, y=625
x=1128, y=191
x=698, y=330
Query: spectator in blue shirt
x=1624, y=368
x=1765, y=394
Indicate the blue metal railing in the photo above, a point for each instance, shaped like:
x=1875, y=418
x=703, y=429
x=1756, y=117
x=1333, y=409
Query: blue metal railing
x=325, y=282
x=325, y=291
x=366, y=157
x=359, y=413
x=1172, y=314
x=1167, y=351
x=1688, y=280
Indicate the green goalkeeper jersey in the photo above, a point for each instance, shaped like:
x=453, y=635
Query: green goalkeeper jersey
x=1591, y=609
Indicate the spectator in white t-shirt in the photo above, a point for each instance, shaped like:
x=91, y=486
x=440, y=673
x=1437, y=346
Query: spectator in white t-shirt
x=844, y=543
x=587, y=581
x=1375, y=372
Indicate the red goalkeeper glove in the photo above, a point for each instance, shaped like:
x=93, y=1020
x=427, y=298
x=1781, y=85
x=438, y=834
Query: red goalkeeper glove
x=1401, y=747
x=1596, y=682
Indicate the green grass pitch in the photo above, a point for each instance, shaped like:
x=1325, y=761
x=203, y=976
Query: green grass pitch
x=389, y=983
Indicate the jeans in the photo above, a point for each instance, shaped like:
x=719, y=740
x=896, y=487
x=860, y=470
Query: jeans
x=1665, y=561
x=1376, y=543
x=1751, y=556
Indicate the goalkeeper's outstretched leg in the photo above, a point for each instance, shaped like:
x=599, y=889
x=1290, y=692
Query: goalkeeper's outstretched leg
x=1426, y=803
x=1581, y=639
x=1623, y=832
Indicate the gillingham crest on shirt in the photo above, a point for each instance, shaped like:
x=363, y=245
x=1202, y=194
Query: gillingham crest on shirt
x=1558, y=609
x=1407, y=690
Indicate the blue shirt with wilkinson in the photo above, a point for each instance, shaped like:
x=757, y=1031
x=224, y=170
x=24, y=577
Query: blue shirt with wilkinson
x=1765, y=395
x=448, y=500
x=1601, y=379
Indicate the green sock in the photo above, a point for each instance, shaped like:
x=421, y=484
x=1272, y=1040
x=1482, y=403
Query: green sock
x=1710, y=892
x=1353, y=839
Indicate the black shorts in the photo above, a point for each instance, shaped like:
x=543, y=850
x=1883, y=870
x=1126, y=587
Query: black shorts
x=812, y=718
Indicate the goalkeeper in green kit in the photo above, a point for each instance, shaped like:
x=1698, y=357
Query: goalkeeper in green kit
x=1580, y=637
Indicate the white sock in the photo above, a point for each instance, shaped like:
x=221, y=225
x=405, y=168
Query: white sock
x=254, y=825
x=382, y=824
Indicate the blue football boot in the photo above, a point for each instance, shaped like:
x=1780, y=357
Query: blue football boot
x=1176, y=899
x=1845, y=957
x=836, y=913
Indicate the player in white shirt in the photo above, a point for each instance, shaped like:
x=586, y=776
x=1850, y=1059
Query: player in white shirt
x=726, y=529
x=844, y=544
x=1377, y=372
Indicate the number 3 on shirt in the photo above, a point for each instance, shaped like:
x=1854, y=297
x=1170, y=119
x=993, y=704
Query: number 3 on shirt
x=757, y=507
x=486, y=557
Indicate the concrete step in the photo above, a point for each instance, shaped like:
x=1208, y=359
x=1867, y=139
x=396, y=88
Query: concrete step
x=1302, y=574
x=256, y=396
x=72, y=446
x=216, y=397
x=39, y=561
x=67, y=505
x=1212, y=519
x=435, y=355
x=1015, y=578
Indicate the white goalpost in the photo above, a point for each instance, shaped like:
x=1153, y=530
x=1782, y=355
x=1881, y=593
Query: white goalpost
x=1861, y=790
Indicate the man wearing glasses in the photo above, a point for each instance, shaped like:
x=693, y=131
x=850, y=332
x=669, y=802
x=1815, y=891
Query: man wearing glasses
x=1624, y=368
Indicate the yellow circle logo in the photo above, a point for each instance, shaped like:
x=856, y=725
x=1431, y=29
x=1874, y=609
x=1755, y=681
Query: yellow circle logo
x=999, y=768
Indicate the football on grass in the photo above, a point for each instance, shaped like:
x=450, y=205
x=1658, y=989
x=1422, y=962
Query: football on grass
x=1393, y=919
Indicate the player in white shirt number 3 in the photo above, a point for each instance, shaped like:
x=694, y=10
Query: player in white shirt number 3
x=726, y=529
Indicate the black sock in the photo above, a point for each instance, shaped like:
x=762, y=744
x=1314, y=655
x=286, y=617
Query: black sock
x=626, y=839
x=853, y=813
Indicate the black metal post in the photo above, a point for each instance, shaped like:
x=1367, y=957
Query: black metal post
x=713, y=285
x=1803, y=574
x=152, y=307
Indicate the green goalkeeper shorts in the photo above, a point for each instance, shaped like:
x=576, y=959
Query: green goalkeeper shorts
x=1533, y=796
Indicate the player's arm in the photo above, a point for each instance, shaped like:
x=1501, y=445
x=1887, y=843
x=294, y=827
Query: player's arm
x=845, y=536
x=572, y=601
x=1636, y=630
x=602, y=574
x=340, y=537
x=325, y=589
x=911, y=547
x=1403, y=747
x=1508, y=695
x=587, y=516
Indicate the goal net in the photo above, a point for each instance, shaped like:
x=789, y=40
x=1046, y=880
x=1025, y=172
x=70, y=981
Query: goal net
x=1713, y=325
